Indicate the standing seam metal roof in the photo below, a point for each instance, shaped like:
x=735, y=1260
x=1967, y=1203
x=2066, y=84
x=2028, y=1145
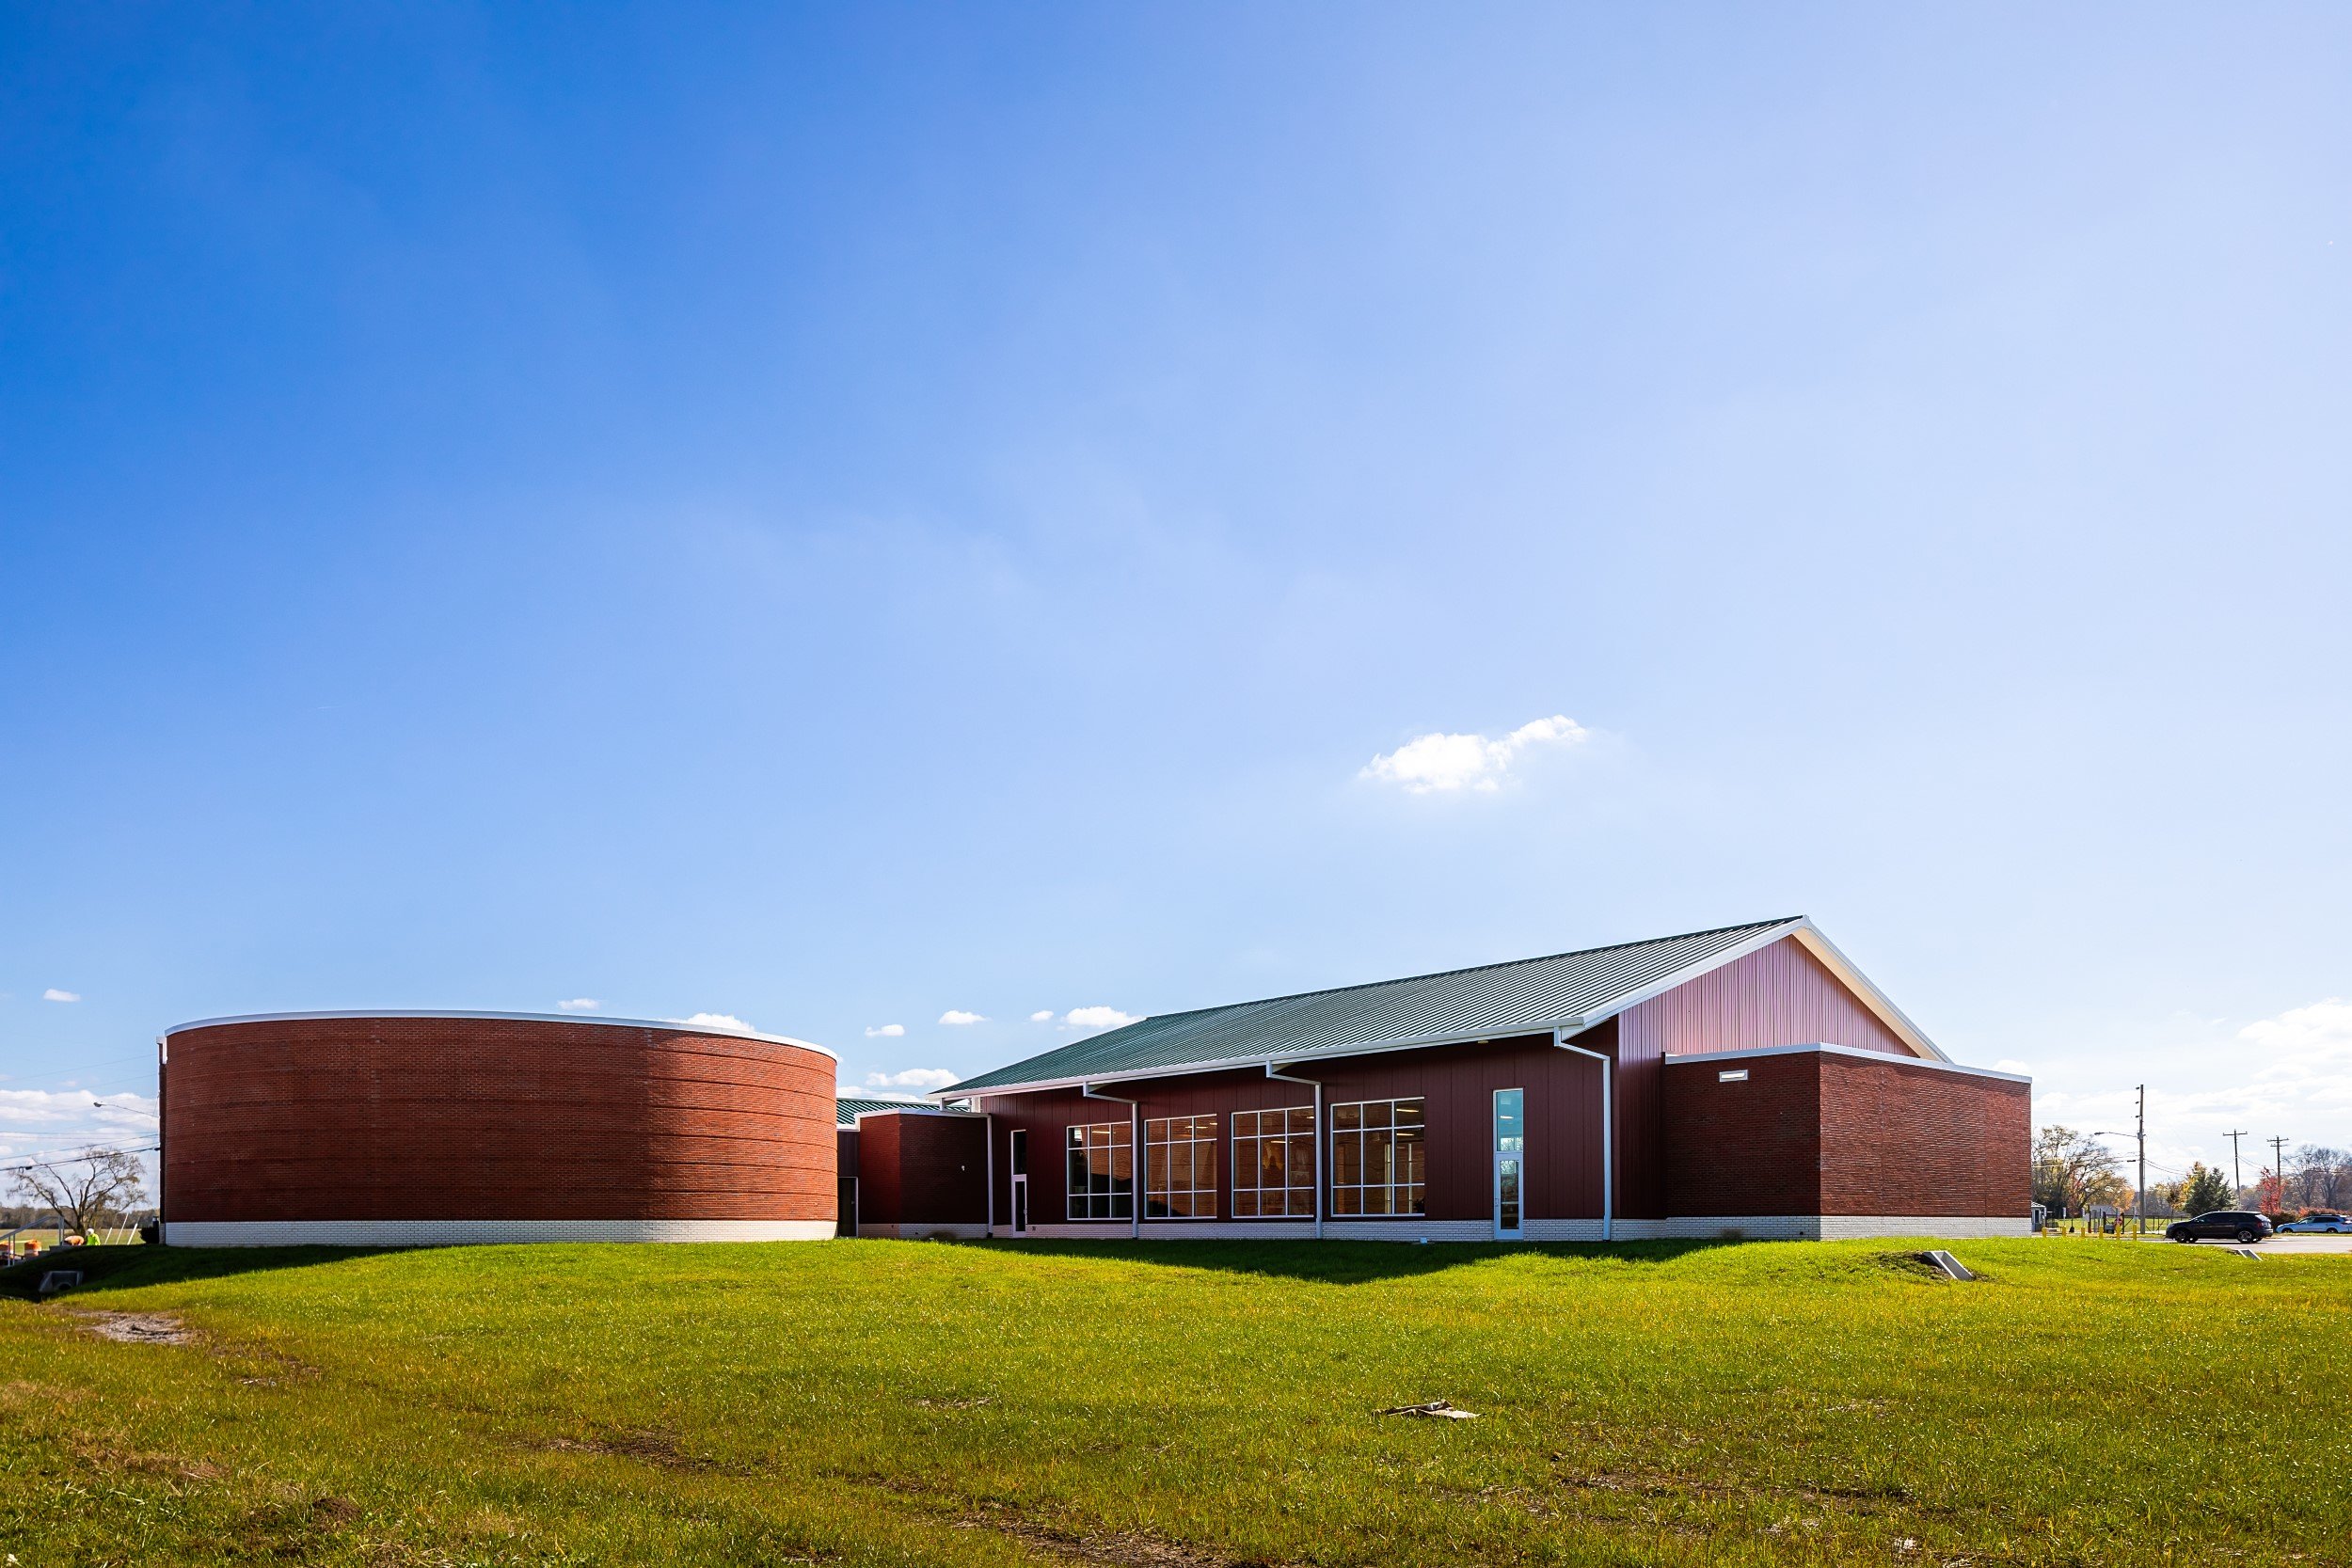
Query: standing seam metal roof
x=1492, y=999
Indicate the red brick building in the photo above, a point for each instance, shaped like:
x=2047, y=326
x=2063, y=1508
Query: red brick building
x=398, y=1129
x=1743, y=1081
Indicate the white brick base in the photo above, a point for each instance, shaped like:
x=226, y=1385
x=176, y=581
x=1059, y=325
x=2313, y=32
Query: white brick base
x=1821, y=1227
x=482, y=1232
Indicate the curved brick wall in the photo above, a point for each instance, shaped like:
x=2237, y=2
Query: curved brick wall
x=391, y=1128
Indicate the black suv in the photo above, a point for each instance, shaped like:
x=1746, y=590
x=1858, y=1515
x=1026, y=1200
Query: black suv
x=2222, y=1225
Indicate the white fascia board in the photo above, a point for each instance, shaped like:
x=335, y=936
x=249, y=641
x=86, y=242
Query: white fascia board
x=667, y=1025
x=1810, y=937
x=1287, y=1058
x=1674, y=1058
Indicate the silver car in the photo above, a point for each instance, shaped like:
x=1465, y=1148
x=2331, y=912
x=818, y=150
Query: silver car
x=2316, y=1225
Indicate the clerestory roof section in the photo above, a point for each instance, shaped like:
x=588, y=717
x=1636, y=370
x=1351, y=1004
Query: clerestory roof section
x=1463, y=1004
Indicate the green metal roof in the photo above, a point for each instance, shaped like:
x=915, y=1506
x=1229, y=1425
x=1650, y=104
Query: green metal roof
x=1461, y=1003
x=845, y=1111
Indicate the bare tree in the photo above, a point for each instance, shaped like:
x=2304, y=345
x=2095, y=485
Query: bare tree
x=84, y=1188
x=2072, y=1168
x=2326, y=1177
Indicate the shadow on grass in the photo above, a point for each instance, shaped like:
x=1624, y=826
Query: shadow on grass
x=1344, y=1262
x=127, y=1268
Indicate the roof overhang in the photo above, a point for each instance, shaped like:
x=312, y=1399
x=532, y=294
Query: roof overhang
x=1801, y=929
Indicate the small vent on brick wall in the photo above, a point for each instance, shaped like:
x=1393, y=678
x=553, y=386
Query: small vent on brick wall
x=1732, y=1075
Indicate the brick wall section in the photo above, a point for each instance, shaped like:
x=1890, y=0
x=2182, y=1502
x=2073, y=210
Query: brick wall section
x=493, y=1118
x=1924, y=1141
x=1814, y=1132
x=917, y=1169
x=1753, y=1148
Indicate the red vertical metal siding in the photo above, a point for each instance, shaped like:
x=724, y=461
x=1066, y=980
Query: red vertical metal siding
x=1457, y=1083
x=1777, y=995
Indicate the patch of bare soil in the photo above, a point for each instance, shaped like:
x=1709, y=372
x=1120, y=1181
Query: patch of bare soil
x=137, y=1328
x=646, y=1447
x=1123, y=1549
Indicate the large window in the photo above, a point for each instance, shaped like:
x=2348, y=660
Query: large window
x=1180, y=1168
x=1274, y=1164
x=1103, y=1171
x=1379, y=1162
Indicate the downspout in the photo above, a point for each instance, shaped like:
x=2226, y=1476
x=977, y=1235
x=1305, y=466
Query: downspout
x=1135, y=1155
x=988, y=1174
x=1317, y=1082
x=162, y=1124
x=1608, y=1117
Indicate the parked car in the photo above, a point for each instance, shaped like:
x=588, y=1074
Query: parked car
x=2317, y=1225
x=2223, y=1224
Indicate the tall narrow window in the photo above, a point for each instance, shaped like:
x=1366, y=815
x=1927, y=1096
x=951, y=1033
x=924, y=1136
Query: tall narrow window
x=1510, y=1160
x=1274, y=1164
x=1102, y=1171
x=1379, y=1161
x=1180, y=1168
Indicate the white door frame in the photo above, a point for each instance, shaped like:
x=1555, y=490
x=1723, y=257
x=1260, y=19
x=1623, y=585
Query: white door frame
x=1020, y=1175
x=1516, y=1158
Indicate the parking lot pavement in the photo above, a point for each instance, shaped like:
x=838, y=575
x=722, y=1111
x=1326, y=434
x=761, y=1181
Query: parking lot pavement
x=2294, y=1243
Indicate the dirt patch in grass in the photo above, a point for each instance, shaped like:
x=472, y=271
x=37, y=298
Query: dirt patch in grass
x=137, y=1328
x=1124, y=1548
x=646, y=1447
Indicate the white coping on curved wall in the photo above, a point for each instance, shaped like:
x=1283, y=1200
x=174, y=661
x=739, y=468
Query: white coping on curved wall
x=482, y=1232
x=672, y=1025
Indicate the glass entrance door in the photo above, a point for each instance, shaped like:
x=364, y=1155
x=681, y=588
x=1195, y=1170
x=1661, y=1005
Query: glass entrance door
x=1019, y=1165
x=1510, y=1160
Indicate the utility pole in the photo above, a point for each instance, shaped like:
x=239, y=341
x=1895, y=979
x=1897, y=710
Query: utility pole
x=2278, y=1167
x=2237, y=1184
x=2143, y=1161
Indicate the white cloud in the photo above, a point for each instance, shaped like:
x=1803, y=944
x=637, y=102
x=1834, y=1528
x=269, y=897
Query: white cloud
x=2009, y=1065
x=54, y=994
x=914, y=1078
x=956, y=1015
x=2289, y=1075
x=51, y=1123
x=578, y=1005
x=1044, y=1015
x=717, y=1021
x=1099, y=1017
x=887, y=1030
x=1431, y=763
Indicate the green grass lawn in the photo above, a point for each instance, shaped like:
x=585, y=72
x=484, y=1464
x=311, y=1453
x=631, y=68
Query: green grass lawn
x=1184, y=1404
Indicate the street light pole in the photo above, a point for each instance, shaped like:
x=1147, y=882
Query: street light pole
x=2143, y=1161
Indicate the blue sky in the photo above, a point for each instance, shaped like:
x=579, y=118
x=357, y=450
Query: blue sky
x=840, y=516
